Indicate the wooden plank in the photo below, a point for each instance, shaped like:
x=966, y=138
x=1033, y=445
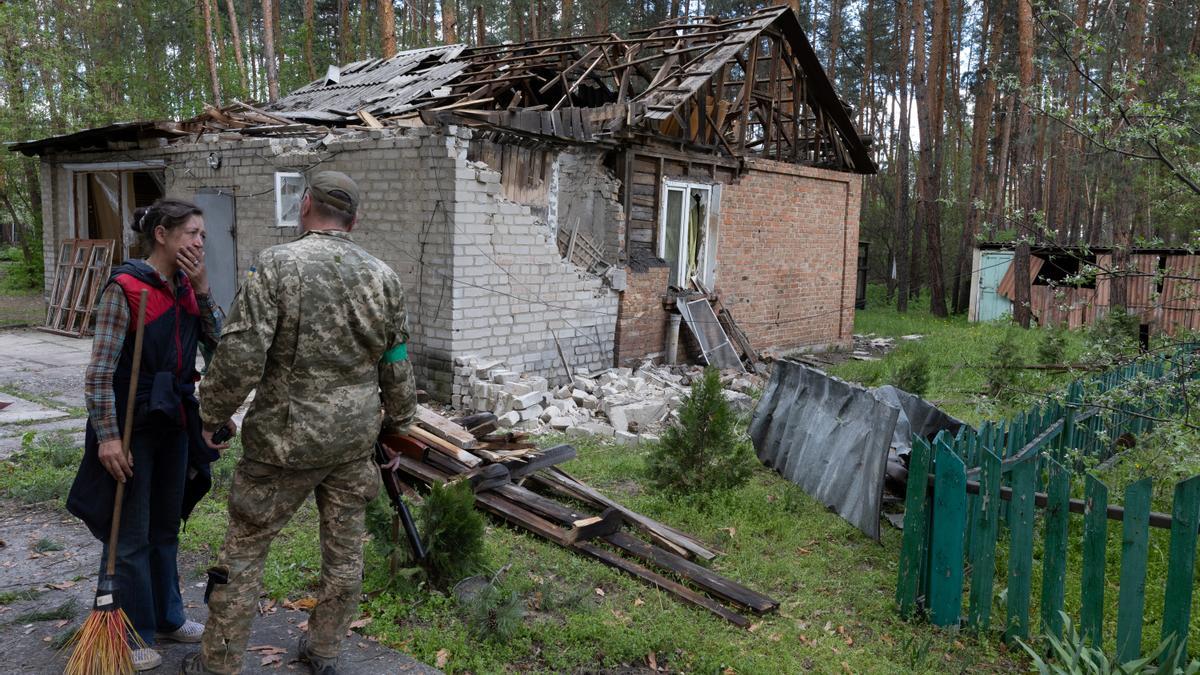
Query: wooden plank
x=523, y=466
x=916, y=519
x=703, y=577
x=1131, y=599
x=949, y=520
x=1095, y=543
x=445, y=429
x=1181, y=564
x=1054, y=555
x=444, y=446
x=664, y=535
x=985, y=526
x=1020, y=561
x=657, y=580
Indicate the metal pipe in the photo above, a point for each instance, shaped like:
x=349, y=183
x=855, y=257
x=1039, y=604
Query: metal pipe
x=671, y=348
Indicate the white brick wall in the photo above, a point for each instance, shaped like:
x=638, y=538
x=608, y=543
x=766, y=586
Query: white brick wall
x=482, y=275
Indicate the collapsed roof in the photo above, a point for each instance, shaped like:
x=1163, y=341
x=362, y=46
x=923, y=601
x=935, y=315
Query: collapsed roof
x=683, y=81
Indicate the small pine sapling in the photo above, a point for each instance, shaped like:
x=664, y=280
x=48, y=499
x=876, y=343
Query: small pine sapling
x=453, y=534
x=704, y=450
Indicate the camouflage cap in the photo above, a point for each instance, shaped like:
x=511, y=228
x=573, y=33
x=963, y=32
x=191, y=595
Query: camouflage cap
x=335, y=189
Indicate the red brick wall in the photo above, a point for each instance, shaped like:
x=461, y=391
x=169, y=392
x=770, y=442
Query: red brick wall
x=787, y=254
x=641, y=320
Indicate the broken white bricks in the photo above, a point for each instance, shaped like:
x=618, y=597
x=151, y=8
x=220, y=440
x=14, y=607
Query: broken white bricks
x=624, y=404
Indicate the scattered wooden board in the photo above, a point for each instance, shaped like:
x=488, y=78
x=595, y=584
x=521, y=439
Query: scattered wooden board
x=445, y=429
x=579, y=528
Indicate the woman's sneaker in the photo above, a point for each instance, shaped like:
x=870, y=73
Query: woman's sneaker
x=146, y=659
x=190, y=631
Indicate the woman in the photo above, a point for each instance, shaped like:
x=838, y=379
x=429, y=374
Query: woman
x=167, y=471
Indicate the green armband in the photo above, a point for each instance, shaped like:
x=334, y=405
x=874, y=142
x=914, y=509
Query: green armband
x=397, y=353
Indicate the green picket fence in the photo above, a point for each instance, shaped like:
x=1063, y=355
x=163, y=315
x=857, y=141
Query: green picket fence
x=963, y=489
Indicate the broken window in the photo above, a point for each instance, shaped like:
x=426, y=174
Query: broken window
x=683, y=233
x=289, y=188
x=104, y=203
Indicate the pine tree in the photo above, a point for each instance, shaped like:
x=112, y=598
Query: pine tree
x=704, y=450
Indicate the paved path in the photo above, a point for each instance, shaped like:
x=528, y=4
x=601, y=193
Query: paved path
x=41, y=378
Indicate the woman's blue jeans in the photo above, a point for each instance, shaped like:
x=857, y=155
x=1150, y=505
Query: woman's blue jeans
x=148, y=542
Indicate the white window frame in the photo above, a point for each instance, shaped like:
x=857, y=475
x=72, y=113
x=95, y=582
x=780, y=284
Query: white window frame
x=75, y=170
x=280, y=177
x=706, y=266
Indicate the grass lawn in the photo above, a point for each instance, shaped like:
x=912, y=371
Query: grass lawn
x=19, y=307
x=835, y=585
x=959, y=353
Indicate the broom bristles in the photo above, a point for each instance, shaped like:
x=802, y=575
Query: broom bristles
x=102, y=645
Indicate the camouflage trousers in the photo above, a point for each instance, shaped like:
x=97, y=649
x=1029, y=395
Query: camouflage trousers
x=262, y=500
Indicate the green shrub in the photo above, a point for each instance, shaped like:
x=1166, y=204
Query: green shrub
x=1072, y=655
x=1115, y=333
x=21, y=273
x=1003, y=367
x=1052, y=346
x=450, y=528
x=704, y=450
x=911, y=373
x=452, y=531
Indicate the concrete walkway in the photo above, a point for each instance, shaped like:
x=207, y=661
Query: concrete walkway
x=41, y=380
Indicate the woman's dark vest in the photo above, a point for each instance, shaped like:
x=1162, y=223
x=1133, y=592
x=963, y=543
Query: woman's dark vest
x=166, y=400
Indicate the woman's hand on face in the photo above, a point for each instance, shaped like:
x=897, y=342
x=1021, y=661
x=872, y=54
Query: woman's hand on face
x=112, y=456
x=191, y=261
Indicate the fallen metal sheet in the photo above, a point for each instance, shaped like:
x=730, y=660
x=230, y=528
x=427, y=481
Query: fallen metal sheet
x=714, y=343
x=829, y=437
x=917, y=416
x=839, y=441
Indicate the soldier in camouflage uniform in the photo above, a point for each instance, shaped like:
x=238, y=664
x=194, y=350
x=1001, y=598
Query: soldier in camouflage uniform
x=319, y=331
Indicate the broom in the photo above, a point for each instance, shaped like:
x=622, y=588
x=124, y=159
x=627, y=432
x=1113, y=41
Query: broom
x=101, y=645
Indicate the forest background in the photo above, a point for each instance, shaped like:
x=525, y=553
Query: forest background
x=1051, y=122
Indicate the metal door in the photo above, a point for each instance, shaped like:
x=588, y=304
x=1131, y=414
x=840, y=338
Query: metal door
x=992, y=266
x=220, y=248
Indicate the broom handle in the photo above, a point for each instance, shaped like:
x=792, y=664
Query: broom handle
x=127, y=436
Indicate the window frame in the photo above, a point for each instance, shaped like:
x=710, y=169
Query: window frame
x=705, y=268
x=280, y=176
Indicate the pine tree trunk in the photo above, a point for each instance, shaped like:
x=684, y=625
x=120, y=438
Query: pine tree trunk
x=984, y=102
x=344, y=32
x=387, y=27
x=214, y=78
x=449, y=22
x=364, y=13
x=901, y=216
x=309, y=10
x=480, y=26
x=1021, y=307
x=568, y=18
x=1125, y=206
x=835, y=37
x=866, y=97
x=919, y=87
x=234, y=32
x=269, y=51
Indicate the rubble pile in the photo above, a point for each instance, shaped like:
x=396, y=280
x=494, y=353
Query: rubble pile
x=627, y=404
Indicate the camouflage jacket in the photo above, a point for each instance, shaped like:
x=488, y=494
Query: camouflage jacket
x=319, y=330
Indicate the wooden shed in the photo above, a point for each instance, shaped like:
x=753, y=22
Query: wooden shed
x=1072, y=286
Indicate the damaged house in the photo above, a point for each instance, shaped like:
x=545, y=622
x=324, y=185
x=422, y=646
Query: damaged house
x=543, y=202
